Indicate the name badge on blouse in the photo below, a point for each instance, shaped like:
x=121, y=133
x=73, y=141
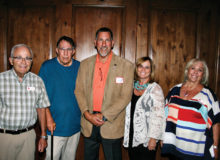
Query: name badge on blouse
x=119, y=80
x=30, y=88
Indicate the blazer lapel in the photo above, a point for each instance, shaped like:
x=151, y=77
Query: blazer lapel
x=110, y=80
x=91, y=68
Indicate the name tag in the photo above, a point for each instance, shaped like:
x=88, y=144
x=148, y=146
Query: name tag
x=119, y=80
x=30, y=88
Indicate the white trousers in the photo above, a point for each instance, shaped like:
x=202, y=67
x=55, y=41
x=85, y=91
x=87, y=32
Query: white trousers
x=64, y=148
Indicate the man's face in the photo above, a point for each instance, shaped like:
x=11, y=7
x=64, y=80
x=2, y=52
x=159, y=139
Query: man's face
x=21, y=61
x=104, y=44
x=65, y=53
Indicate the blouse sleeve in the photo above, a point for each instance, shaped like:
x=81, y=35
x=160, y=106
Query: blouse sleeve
x=157, y=114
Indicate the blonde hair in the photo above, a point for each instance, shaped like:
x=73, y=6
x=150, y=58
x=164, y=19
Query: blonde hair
x=205, y=76
x=139, y=62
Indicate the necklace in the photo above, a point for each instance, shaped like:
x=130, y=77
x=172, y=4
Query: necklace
x=138, y=86
x=188, y=92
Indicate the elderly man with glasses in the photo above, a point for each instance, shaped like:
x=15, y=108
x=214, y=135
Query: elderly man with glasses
x=59, y=75
x=22, y=97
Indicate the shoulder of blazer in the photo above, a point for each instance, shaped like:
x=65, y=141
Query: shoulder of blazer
x=88, y=60
x=120, y=60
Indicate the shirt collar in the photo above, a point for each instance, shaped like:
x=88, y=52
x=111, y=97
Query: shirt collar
x=17, y=77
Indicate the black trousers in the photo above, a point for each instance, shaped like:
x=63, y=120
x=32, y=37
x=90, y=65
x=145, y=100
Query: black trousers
x=141, y=153
x=111, y=147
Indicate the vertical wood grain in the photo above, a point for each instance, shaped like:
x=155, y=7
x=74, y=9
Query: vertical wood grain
x=87, y=20
x=172, y=44
x=142, y=28
x=131, y=30
x=32, y=26
x=208, y=40
x=3, y=39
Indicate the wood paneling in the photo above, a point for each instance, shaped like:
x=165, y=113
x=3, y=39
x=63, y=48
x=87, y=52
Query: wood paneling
x=172, y=44
x=171, y=32
x=142, y=28
x=84, y=28
x=130, y=33
x=3, y=40
x=34, y=27
x=208, y=40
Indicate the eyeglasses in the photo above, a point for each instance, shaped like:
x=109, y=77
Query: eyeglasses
x=28, y=59
x=66, y=49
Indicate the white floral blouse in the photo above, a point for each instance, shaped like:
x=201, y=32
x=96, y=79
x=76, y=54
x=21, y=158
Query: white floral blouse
x=149, y=117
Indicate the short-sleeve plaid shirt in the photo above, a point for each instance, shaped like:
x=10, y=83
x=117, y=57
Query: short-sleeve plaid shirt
x=19, y=100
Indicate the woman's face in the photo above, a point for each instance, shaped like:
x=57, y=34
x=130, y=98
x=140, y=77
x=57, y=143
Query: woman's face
x=144, y=70
x=195, y=72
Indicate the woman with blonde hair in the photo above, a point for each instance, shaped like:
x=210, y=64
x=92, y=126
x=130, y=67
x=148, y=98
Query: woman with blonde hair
x=192, y=113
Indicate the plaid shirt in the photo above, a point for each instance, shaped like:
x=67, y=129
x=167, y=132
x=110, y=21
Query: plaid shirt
x=19, y=100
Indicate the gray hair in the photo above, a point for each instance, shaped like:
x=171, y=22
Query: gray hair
x=18, y=46
x=205, y=76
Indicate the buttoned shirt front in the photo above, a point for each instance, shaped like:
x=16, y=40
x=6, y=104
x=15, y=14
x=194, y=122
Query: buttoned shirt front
x=19, y=100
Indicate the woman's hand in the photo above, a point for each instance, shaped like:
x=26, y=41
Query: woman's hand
x=152, y=144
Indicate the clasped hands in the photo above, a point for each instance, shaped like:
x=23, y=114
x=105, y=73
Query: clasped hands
x=96, y=119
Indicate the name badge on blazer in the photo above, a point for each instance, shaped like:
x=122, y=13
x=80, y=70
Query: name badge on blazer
x=119, y=80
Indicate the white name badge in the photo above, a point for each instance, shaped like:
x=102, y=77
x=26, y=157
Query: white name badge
x=119, y=80
x=30, y=88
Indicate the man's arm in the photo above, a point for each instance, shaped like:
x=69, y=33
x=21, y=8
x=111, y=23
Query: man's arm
x=51, y=125
x=42, y=119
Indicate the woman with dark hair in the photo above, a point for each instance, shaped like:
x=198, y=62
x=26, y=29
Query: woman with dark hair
x=192, y=114
x=145, y=117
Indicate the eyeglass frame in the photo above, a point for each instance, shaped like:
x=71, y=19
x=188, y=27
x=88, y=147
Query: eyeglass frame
x=66, y=49
x=19, y=58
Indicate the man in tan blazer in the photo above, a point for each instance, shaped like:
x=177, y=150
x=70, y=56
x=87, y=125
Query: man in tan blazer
x=103, y=90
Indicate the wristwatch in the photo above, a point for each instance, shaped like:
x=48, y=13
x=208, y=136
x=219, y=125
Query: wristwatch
x=44, y=137
x=104, y=119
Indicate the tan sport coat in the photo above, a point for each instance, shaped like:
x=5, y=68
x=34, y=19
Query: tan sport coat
x=117, y=94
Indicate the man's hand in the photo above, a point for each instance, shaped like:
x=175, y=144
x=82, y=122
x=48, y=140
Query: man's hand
x=95, y=119
x=42, y=144
x=51, y=125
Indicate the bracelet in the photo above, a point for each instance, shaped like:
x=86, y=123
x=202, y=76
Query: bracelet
x=215, y=147
x=44, y=137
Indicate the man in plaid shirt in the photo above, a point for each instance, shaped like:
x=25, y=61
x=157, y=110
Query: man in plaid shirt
x=22, y=97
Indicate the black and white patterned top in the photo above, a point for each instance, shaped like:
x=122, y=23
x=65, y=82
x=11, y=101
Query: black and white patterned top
x=149, y=117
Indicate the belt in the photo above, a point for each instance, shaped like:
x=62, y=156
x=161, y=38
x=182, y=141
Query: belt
x=18, y=131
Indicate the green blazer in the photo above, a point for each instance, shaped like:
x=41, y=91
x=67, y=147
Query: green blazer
x=117, y=95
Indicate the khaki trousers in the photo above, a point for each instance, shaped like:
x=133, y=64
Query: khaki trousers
x=17, y=146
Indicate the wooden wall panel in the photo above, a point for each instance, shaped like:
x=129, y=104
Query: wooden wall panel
x=208, y=40
x=142, y=28
x=63, y=20
x=172, y=44
x=32, y=26
x=171, y=32
x=130, y=33
x=3, y=40
x=84, y=28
